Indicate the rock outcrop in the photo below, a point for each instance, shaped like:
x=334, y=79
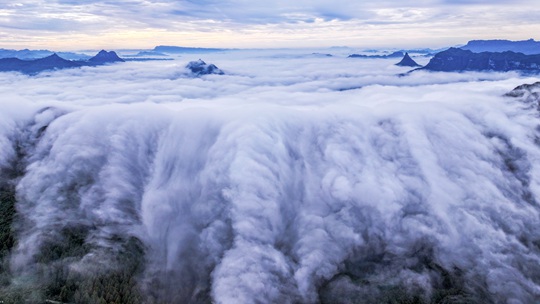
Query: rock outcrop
x=200, y=67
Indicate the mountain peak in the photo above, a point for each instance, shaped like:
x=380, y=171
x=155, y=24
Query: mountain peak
x=53, y=57
x=105, y=57
x=407, y=61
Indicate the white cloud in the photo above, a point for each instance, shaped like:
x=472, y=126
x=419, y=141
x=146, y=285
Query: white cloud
x=270, y=183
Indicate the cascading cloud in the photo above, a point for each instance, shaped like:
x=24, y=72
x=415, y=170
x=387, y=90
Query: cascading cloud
x=341, y=203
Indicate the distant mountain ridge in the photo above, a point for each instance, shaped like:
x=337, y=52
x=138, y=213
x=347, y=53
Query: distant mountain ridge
x=55, y=62
x=393, y=55
x=457, y=60
x=527, y=47
x=181, y=49
x=27, y=54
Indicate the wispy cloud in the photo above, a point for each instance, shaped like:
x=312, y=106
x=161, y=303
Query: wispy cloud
x=235, y=23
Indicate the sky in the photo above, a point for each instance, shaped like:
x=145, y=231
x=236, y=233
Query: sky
x=114, y=24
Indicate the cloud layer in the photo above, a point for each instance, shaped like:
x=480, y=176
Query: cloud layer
x=274, y=184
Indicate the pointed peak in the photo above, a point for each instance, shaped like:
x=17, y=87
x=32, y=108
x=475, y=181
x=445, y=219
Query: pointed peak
x=53, y=57
x=407, y=61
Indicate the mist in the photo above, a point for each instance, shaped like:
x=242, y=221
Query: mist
x=290, y=179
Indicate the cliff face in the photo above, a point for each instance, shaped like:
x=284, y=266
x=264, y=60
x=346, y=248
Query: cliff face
x=455, y=59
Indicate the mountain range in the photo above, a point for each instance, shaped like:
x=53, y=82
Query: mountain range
x=457, y=60
x=55, y=62
x=27, y=54
x=528, y=47
x=392, y=55
x=181, y=49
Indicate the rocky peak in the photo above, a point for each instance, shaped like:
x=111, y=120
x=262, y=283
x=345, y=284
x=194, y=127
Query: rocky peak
x=407, y=61
x=200, y=67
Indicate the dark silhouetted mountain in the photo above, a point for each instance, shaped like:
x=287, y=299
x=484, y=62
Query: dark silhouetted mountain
x=54, y=62
x=11, y=64
x=180, y=49
x=527, y=47
x=104, y=57
x=455, y=59
x=200, y=67
x=393, y=55
x=407, y=61
x=37, y=65
x=27, y=54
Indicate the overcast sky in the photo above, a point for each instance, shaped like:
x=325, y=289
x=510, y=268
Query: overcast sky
x=93, y=24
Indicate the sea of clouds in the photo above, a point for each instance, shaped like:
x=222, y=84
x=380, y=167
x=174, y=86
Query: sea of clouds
x=293, y=178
